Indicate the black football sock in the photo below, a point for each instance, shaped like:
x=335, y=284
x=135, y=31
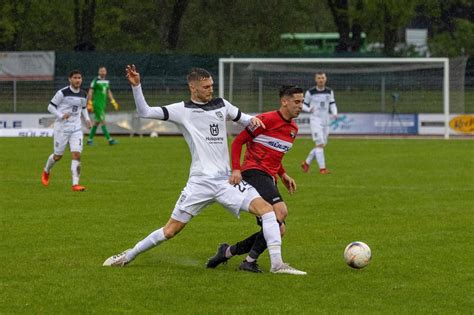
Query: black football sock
x=259, y=246
x=244, y=246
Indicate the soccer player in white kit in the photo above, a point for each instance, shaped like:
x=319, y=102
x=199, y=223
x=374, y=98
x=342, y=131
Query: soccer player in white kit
x=67, y=106
x=202, y=120
x=320, y=102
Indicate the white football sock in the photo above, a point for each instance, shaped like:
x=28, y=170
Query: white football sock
x=152, y=240
x=320, y=158
x=76, y=171
x=271, y=231
x=311, y=156
x=50, y=163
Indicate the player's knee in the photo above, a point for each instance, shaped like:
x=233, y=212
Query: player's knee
x=76, y=156
x=281, y=211
x=264, y=207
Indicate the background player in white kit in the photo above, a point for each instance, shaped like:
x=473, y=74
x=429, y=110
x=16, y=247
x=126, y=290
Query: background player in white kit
x=67, y=105
x=320, y=102
x=202, y=120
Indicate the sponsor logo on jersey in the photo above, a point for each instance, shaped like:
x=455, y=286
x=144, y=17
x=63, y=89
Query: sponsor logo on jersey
x=214, y=129
x=220, y=116
x=274, y=143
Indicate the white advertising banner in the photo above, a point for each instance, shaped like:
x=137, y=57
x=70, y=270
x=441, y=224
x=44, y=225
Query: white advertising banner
x=433, y=124
x=27, y=66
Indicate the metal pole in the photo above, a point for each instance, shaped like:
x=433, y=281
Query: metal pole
x=446, y=98
x=260, y=94
x=221, y=78
x=382, y=95
x=14, y=95
x=231, y=81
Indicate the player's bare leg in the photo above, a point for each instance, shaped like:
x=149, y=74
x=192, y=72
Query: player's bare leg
x=52, y=159
x=157, y=237
x=76, y=171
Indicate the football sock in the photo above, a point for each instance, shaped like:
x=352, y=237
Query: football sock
x=320, y=157
x=76, y=171
x=106, y=132
x=258, y=247
x=271, y=231
x=152, y=240
x=50, y=163
x=311, y=156
x=92, y=133
x=243, y=247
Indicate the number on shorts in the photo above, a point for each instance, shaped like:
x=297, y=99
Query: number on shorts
x=241, y=186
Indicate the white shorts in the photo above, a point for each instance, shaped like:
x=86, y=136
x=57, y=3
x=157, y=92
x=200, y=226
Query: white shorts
x=319, y=133
x=62, y=138
x=201, y=191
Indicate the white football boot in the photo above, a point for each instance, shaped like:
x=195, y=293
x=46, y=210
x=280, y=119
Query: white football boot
x=287, y=269
x=119, y=260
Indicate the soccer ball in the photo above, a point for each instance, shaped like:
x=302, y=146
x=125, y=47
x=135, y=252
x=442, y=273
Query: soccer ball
x=153, y=134
x=357, y=255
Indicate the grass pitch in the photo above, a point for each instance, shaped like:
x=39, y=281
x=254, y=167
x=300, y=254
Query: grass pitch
x=412, y=201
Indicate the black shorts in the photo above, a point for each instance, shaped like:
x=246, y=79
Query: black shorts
x=264, y=184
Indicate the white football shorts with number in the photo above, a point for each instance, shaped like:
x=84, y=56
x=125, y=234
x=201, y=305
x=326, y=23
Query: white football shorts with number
x=202, y=191
x=63, y=137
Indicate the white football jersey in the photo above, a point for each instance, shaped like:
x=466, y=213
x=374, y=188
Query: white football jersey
x=204, y=128
x=320, y=103
x=67, y=101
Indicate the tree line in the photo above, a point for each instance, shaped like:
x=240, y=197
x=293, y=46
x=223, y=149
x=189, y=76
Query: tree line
x=229, y=27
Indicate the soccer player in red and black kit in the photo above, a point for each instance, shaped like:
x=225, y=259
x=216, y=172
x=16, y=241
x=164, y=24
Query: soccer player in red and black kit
x=262, y=163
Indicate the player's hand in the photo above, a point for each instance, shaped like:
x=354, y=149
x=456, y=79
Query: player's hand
x=256, y=122
x=90, y=108
x=289, y=183
x=66, y=116
x=89, y=124
x=115, y=104
x=132, y=75
x=235, y=177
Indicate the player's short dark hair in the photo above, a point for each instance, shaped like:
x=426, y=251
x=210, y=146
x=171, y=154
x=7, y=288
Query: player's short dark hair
x=198, y=74
x=289, y=90
x=320, y=73
x=73, y=72
x=102, y=66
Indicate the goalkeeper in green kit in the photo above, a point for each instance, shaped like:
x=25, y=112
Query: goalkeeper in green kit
x=97, y=101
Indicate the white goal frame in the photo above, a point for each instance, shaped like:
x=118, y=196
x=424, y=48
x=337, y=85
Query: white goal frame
x=444, y=61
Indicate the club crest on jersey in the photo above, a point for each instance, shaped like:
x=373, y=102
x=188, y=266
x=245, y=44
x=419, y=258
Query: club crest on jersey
x=292, y=134
x=214, y=129
x=220, y=116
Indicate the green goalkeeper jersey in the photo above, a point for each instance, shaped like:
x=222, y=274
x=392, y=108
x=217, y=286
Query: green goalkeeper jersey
x=101, y=88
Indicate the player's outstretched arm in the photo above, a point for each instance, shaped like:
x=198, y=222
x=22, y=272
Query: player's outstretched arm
x=143, y=109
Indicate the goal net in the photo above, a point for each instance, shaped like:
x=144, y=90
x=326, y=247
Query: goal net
x=361, y=85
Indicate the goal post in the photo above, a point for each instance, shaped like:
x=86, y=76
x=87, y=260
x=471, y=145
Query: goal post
x=416, y=85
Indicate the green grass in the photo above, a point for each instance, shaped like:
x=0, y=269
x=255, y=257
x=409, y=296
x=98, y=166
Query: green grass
x=412, y=201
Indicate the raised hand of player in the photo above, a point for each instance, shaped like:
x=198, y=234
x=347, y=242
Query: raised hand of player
x=235, y=177
x=289, y=183
x=256, y=122
x=132, y=75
